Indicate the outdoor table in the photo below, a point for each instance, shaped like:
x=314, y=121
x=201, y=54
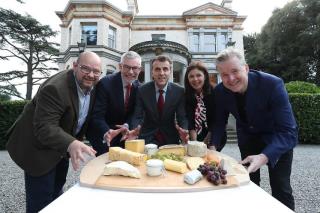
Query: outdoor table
x=245, y=198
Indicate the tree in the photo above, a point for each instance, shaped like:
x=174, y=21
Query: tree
x=24, y=38
x=288, y=45
x=4, y=97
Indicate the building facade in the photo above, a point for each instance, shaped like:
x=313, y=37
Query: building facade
x=197, y=34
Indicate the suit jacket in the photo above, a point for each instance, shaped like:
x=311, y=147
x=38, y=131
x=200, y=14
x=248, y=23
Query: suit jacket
x=109, y=111
x=41, y=135
x=146, y=113
x=268, y=112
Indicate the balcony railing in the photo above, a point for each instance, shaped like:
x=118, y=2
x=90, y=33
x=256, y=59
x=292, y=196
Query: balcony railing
x=162, y=45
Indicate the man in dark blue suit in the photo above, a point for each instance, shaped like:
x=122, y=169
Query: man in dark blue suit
x=159, y=116
x=114, y=104
x=266, y=127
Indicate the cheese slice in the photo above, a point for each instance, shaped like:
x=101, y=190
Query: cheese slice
x=121, y=168
x=194, y=162
x=135, y=145
x=175, y=166
x=172, y=148
x=135, y=158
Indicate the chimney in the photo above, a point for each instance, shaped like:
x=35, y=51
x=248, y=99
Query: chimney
x=133, y=6
x=227, y=4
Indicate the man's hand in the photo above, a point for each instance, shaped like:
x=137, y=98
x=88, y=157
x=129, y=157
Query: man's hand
x=76, y=150
x=183, y=134
x=112, y=133
x=133, y=134
x=255, y=162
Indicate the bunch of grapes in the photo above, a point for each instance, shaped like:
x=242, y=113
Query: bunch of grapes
x=215, y=174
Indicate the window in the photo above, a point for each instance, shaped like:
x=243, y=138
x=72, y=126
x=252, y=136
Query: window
x=112, y=33
x=195, y=42
x=158, y=37
x=176, y=76
x=89, y=33
x=69, y=39
x=209, y=42
x=223, y=40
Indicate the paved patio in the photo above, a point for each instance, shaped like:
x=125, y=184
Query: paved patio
x=305, y=180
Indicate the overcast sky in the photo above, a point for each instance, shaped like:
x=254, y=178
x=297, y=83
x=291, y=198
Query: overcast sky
x=257, y=12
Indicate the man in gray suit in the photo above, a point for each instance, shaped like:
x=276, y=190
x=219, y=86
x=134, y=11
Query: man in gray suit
x=159, y=116
x=50, y=128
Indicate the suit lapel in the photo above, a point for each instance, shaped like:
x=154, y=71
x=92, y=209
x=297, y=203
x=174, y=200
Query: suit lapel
x=74, y=97
x=251, y=97
x=168, y=99
x=153, y=98
x=117, y=85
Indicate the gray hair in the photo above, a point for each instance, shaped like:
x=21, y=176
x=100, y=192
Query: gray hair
x=228, y=53
x=130, y=55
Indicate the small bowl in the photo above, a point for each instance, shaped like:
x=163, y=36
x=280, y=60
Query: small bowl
x=155, y=167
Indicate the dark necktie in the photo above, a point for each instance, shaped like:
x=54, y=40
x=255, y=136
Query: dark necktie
x=127, y=97
x=160, y=102
x=159, y=135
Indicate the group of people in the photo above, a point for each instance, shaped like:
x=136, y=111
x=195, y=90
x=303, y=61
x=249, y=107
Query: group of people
x=75, y=103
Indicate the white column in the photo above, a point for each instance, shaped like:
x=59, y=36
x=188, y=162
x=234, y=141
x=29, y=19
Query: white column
x=183, y=72
x=147, y=72
x=201, y=40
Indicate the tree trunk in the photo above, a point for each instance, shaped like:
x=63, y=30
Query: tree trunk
x=29, y=82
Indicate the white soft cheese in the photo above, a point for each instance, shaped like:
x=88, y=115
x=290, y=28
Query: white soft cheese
x=121, y=168
x=197, y=149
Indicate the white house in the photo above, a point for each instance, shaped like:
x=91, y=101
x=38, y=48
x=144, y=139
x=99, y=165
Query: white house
x=197, y=34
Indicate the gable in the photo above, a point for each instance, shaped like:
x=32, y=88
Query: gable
x=209, y=9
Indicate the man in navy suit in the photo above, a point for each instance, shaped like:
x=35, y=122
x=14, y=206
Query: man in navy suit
x=160, y=110
x=266, y=127
x=114, y=104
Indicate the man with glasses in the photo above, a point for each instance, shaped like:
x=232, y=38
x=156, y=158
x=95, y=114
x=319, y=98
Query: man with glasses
x=50, y=128
x=114, y=104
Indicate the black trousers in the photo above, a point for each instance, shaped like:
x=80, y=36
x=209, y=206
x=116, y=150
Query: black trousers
x=42, y=190
x=279, y=175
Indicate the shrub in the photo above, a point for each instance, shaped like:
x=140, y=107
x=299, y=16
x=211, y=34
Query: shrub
x=301, y=87
x=9, y=112
x=306, y=108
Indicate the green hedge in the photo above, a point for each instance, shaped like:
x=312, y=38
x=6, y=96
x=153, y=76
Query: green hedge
x=301, y=87
x=9, y=112
x=306, y=108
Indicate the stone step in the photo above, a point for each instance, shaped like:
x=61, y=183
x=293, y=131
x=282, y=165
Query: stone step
x=232, y=136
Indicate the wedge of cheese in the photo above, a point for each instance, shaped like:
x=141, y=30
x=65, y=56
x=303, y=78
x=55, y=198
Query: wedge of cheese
x=121, y=168
x=135, y=158
x=114, y=153
x=194, y=162
x=135, y=145
x=175, y=166
x=172, y=148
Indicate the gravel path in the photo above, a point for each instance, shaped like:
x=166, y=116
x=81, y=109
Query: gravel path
x=305, y=180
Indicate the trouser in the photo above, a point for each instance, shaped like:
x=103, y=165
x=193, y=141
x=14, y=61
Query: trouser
x=279, y=175
x=42, y=190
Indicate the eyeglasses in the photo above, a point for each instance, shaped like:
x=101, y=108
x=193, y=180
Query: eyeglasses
x=87, y=70
x=128, y=68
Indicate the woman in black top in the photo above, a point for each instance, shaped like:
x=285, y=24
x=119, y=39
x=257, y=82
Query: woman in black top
x=199, y=101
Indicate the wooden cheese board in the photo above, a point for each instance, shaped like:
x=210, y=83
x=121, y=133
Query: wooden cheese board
x=91, y=176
